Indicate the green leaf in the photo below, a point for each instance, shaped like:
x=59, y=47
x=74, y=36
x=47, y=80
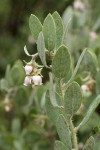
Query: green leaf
x=90, y=111
x=41, y=48
x=97, y=78
x=16, y=126
x=59, y=28
x=94, y=57
x=52, y=91
x=90, y=144
x=49, y=32
x=58, y=92
x=60, y=146
x=35, y=26
x=61, y=62
x=77, y=66
x=21, y=97
x=52, y=112
x=63, y=131
x=72, y=99
x=4, y=85
x=67, y=15
x=17, y=73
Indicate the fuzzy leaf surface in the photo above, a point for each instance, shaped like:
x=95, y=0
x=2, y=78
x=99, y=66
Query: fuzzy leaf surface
x=52, y=112
x=72, y=98
x=35, y=26
x=61, y=62
x=90, y=111
x=60, y=146
x=59, y=28
x=63, y=131
x=49, y=32
x=90, y=143
x=41, y=48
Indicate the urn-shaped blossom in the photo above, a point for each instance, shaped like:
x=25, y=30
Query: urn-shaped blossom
x=37, y=79
x=28, y=69
x=27, y=81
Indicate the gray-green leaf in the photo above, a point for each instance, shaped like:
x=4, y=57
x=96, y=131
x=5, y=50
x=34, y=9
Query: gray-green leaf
x=52, y=112
x=41, y=48
x=63, y=131
x=72, y=99
x=52, y=91
x=59, y=28
x=4, y=85
x=60, y=146
x=90, y=111
x=90, y=144
x=35, y=26
x=77, y=66
x=94, y=57
x=49, y=32
x=61, y=62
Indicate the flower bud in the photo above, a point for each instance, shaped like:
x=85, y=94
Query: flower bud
x=78, y=5
x=85, y=90
x=28, y=69
x=27, y=81
x=37, y=80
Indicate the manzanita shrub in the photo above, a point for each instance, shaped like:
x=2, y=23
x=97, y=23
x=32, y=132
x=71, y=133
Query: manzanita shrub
x=68, y=106
x=63, y=98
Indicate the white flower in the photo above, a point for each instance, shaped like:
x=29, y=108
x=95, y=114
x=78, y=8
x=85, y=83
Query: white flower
x=37, y=80
x=78, y=5
x=27, y=81
x=85, y=90
x=28, y=69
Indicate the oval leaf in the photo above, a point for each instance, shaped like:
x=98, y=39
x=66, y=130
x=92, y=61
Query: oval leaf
x=52, y=92
x=17, y=73
x=63, y=131
x=60, y=146
x=59, y=28
x=61, y=62
x=35, y=26
x=4, y=85
x=90, y=144
x=49, y=32
x=41, y=48
x=72, y=99
x=90, y=111
x=52, y=112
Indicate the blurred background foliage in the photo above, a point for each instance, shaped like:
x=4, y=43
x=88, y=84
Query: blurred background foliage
x=23, y=121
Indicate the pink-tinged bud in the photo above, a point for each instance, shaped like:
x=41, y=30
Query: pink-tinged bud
x=93, y=35
x=28, y=69
x=27, y=81
x=86, y=91
x=78, y=5
x=37, y=80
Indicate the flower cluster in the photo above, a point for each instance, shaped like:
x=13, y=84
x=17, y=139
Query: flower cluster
x=33, y=74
